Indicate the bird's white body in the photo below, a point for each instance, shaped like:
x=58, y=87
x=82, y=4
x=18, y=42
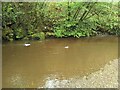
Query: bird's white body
x=26, y=45
x=66, y=47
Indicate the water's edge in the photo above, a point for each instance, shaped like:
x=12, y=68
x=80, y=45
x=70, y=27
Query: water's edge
x=106, y=77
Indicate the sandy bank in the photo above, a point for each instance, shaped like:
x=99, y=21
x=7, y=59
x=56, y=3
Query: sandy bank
x=106, y=77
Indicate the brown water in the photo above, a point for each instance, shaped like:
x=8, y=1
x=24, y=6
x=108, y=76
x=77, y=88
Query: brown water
x=32, y=66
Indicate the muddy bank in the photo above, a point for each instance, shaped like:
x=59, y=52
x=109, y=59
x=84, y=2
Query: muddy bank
x=106, y=77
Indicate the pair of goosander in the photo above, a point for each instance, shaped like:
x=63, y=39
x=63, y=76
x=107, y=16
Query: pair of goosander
x=28, y=44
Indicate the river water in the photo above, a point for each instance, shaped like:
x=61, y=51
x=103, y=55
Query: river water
x=61, y=59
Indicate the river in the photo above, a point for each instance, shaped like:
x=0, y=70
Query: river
x=62, y=59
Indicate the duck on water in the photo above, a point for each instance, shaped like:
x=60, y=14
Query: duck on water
x=66, y=47
x=27, y=44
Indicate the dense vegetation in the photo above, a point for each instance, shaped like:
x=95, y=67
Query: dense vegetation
x=38, y=20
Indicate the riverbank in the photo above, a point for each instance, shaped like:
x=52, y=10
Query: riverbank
x=106, y=77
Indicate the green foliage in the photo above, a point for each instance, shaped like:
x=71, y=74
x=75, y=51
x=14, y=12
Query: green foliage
x=38, y=36
x=19, y=33
x=8, y=34
x=88, y=19
x=37, y=20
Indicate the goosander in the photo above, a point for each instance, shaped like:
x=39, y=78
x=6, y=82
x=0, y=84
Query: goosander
x=26, y=45
x=66, y=47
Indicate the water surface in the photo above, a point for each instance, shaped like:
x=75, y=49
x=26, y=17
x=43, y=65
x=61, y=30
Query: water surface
x=32, y=66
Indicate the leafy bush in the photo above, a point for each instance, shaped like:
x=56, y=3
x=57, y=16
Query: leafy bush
x=8, y=34
x=38, y=36
x=37, y=20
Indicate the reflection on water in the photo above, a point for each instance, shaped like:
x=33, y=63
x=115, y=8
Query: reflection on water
x=30, y=66
x=52, y=82
x=18, y=81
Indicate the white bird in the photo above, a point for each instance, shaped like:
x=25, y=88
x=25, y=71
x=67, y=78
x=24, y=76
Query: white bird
x=66, y=47
x=26, y=45
x=45, y=27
